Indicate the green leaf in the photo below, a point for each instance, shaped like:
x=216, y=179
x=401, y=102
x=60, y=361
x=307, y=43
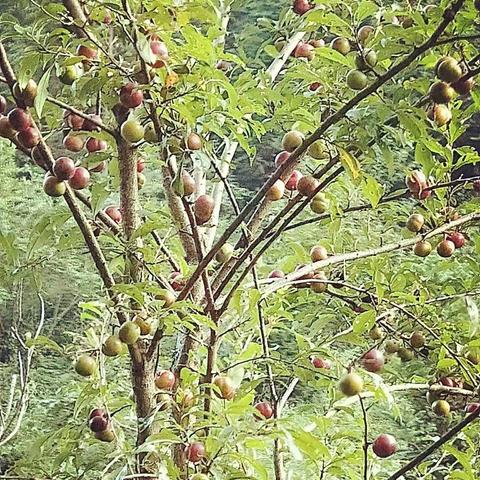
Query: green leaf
x=364, y=321
x=372, y=190
x=350, y=163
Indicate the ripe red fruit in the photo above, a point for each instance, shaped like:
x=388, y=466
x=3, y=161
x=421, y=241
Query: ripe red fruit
x=276, y=274
x=321, y=363
x=89, y=125
x=95, y=145
x=314, y=86
x=6, y=130
x=306, y=186
x=88, y=52
x=384, y=445
x=75, y=122
x=457, y=238
x=140, y=165
x=80, y=178
x=64, y=168
x=73, y=143
x=293, y=180
x=300, y=7
x=195, y=452
x=98, y=168
x=3, y=104
x=176, y=281
x=97, y=412
x=159, y=49
x=446, y=248
x=304, y=50
x=165, y=380
x=98, y=424
x=281, y=158
x=29, y=138
x=203, y=208
x=265, y=410
x=194, y=141
x=373, y=360
x=130, y=96
x=447, y=382
x=472, y=407
x=416, y=181
x=463, y=87
x=476, y=185
x=114, y=213
x=19, y=119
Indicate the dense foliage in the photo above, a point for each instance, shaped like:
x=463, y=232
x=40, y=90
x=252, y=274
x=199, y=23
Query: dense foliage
x=185, y=303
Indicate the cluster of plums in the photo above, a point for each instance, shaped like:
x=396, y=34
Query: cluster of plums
x=452, y=80
x=18, y=125
x=423, y=248
x=304, y=185
x=100, y=424
x=316, y=280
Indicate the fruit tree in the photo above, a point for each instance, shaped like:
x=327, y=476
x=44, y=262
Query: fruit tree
x=363, y=234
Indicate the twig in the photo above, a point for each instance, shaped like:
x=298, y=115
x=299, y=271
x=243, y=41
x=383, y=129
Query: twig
x=434, y=446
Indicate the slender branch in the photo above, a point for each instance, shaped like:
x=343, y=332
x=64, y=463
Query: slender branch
x=435, y=445
x=365, y=439
x=286, y=168
x=346, y=257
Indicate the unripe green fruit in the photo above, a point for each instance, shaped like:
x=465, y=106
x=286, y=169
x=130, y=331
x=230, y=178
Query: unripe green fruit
x=276, y=191
x=129, y=332
x=473, y=357
x=70, y=74
x=150, y=134
x=319, y=286
x=54, y=187
x=422, y=248
x=356, y=80
x=341, y=44
x=141, y=180
x=417, y=340
x=405, y=354
x=132, y=131
x=27, y=94
x=85, y=365
x=392, y=346
x=225, y=253
x=318, y=253
x=367, y=60
x=168, y=298
x=376, y=333
x=364, y=33
x=319, y=203
x=440, y=114
x=199, y=476
x=225, y=387
x=441, y=92
x=351, y=384
x=318, y=150
x=292, y=140
x=415, y=222
x=146, y=327
x=113, y=346
x=441, y=408
x=105, y=436
x=449, y=70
